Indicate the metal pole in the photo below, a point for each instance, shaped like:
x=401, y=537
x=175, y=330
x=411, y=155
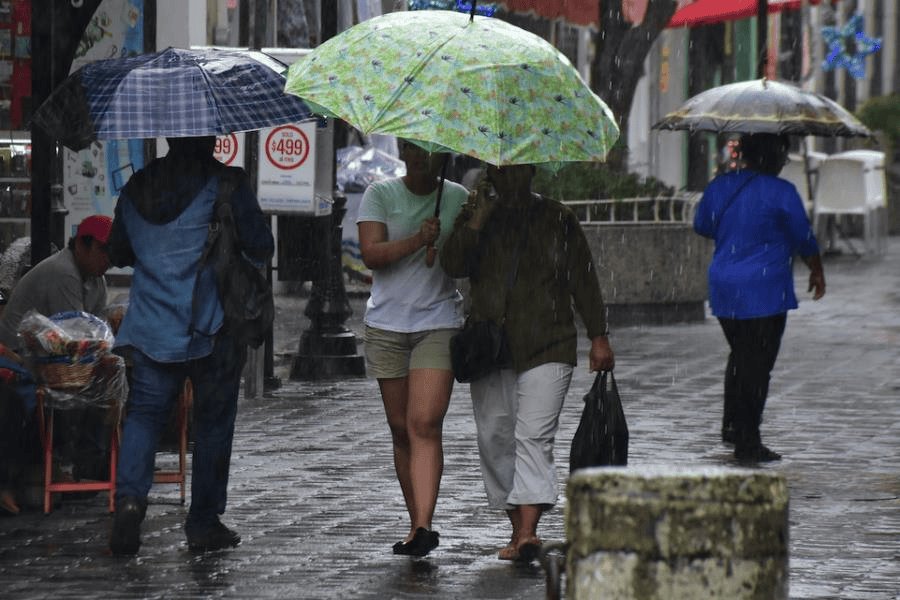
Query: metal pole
x=762, y=36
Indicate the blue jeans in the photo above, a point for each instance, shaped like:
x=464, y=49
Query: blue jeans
x=154, y=388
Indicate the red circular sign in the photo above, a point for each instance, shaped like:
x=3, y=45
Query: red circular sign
x=287, y=147
x=226, y=148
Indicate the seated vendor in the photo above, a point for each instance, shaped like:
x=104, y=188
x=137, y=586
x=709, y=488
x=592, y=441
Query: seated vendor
x=69, y=280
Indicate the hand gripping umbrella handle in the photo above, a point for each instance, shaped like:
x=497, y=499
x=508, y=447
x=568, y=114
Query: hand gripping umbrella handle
x=431, y=251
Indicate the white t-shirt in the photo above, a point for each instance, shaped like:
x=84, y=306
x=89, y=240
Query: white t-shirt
x=408, y=296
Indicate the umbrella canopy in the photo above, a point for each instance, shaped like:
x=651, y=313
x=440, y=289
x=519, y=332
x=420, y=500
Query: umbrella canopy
x=763, y=106
x=450, y=81
x=171, y=93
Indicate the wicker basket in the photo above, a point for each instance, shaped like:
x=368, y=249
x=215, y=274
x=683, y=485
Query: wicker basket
x=65, y=374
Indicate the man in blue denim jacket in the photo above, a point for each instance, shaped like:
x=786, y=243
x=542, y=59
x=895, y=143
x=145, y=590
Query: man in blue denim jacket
x=160, y=227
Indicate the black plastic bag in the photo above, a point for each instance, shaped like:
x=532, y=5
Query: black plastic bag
x=602, y=435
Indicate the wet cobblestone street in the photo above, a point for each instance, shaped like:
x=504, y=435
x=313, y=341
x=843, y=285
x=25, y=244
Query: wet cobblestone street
x=315, y=499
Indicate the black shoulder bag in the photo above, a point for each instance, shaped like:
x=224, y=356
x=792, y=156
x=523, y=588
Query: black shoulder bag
x=481, y=347
x=245, y=293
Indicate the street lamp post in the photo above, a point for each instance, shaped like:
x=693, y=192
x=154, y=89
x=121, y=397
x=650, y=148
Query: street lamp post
x=328, y=348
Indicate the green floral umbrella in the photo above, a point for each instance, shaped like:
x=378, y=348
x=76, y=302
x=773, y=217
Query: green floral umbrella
x=450, y=81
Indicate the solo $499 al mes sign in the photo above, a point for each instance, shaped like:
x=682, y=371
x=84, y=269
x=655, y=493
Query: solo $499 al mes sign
x=287, y=170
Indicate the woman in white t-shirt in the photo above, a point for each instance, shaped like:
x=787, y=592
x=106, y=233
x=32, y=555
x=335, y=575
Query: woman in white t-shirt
x=413, y=310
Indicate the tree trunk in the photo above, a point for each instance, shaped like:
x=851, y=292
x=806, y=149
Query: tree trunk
x=619, y=61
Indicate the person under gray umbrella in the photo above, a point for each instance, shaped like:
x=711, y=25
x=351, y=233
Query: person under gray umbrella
x=758, y=223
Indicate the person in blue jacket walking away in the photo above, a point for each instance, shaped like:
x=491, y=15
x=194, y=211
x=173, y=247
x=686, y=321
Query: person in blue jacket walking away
x=173, y=331
x=759, y=224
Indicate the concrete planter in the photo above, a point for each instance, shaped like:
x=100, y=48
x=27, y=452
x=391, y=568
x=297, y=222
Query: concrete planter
x=651, y=273
x=663, y=532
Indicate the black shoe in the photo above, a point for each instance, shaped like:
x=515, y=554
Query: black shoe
x=423, y=542
x=729, y=435
x=125, y=539
x=756, y=453
x=215, y=538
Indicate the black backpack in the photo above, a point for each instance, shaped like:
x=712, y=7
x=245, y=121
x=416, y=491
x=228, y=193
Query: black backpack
x=245, y=293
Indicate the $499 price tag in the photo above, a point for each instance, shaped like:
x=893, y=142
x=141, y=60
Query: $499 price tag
x=287, y=147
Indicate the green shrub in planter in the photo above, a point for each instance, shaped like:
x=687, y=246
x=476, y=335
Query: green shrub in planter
x=882, y=113
x=593, y=181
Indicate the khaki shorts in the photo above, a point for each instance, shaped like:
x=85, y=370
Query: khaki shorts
x=391, y=354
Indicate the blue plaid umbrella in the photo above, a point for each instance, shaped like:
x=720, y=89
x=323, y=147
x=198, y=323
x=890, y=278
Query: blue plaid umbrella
x=172, y=93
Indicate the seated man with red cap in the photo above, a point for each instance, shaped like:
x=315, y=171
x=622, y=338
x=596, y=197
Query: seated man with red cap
x=69, y=280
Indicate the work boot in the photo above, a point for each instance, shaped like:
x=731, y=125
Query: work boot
x=755, y=453
x=216, y=537
x=126, y=531
x=729, y=434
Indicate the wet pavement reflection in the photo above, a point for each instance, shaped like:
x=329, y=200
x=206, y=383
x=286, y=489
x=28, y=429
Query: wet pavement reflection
x=315, y=499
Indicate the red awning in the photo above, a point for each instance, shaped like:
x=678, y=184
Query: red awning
x=576, y=12
x=705, y=12
x=698, y=12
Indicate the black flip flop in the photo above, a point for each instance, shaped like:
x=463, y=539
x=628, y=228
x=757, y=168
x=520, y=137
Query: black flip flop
x=423, y=542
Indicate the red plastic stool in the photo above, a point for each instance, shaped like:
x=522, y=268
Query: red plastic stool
x=45, y=423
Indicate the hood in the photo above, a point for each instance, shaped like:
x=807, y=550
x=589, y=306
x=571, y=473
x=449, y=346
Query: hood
x=163, y=189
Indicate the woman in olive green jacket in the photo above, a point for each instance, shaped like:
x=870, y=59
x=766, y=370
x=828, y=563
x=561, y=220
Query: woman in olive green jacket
x=517, y=408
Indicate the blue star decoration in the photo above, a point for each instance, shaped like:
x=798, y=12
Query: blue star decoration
x=848, y=47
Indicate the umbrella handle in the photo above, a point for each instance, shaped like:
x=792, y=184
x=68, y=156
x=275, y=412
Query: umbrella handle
x=431, y=251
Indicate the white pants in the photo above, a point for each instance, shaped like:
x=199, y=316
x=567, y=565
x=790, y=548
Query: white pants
x=517, y=417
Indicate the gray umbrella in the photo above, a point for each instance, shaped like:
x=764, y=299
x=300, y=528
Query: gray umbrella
x=763, y=106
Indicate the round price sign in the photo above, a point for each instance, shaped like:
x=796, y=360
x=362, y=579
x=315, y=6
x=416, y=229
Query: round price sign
x=287, y=147
x=226, y=148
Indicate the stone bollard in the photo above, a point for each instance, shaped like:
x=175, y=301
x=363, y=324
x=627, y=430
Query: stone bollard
x=663, y=532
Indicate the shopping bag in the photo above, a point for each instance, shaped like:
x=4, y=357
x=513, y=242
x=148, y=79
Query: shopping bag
x=602, y=435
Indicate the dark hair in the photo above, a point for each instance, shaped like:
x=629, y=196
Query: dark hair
x=85, y=239
x=200, y=146
x=764, y=152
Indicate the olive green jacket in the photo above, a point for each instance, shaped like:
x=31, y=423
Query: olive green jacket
x=555, y=272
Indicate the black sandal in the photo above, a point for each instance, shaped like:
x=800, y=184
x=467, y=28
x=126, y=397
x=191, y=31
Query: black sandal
x=423, y=542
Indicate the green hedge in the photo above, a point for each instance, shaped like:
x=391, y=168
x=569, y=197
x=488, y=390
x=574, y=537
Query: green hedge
x=594, y=181
x=883, y=114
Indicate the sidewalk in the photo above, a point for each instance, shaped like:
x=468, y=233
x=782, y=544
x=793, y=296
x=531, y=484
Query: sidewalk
x=314, y=495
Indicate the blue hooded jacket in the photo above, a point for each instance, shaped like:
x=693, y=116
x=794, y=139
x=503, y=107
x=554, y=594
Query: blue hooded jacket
x=160, y=227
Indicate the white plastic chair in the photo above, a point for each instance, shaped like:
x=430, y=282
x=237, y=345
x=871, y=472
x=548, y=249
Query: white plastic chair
x=795, y=172
x=876, y=189
x=843, y=190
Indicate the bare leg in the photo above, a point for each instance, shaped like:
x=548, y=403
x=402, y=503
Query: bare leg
x=529, y=515
x=394, y=396
x=429, y=397
x=524, y=519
